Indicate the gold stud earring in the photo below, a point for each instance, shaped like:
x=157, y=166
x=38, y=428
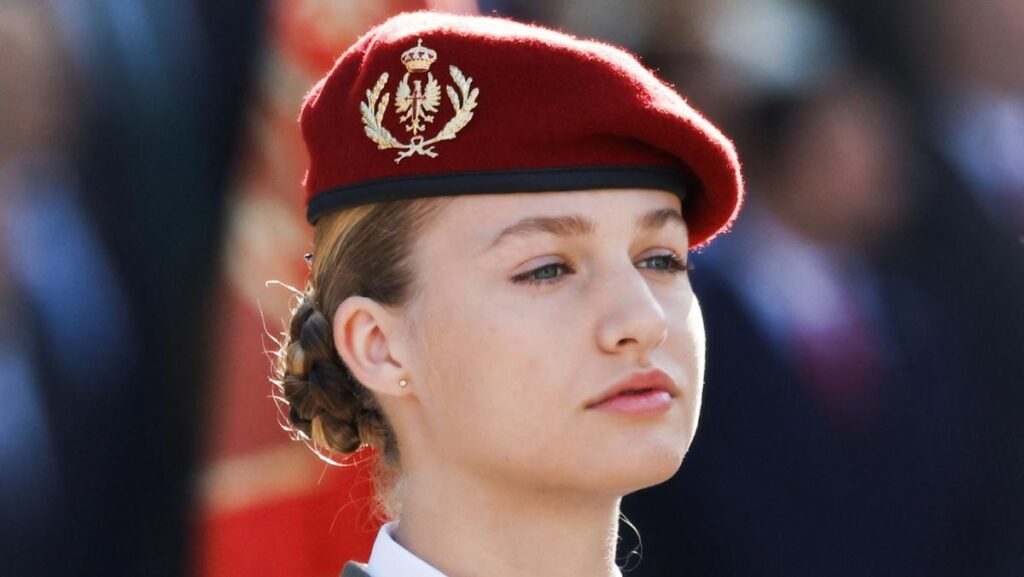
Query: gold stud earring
x=403, y=383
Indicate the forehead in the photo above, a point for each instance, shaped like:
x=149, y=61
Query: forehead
x=476, y=218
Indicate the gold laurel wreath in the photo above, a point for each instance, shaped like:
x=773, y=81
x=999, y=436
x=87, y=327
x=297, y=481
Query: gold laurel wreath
x=373, y=117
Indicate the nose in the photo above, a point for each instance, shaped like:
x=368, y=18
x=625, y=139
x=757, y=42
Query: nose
x=633, y=320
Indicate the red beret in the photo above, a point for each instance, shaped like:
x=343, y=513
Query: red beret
x=430, y=104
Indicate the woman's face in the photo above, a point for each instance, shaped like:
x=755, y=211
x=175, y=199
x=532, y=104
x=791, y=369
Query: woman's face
x=531, y=306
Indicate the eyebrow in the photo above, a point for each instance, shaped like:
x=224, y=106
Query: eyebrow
x=575, y=225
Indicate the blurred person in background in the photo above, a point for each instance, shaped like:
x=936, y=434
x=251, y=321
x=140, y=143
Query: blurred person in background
x=860, y=434
x=975, y=93
x=64, y=327
x=118, y=122
x=972, y=119
x=956, y=61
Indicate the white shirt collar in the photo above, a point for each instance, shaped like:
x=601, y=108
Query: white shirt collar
x=389, y=559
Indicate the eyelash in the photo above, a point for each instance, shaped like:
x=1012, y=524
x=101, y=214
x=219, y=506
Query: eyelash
x=675, y=267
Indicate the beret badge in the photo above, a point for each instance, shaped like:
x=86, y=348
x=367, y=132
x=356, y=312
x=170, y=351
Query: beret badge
x=417, y=104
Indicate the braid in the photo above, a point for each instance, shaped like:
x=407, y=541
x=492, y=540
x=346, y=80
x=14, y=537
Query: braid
x=362, y=250
x=326, y=403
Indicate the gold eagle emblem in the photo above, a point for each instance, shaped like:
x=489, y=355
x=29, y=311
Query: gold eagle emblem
x=417, y=104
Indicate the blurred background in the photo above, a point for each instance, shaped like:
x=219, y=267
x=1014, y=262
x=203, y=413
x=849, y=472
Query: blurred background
x=864, y=401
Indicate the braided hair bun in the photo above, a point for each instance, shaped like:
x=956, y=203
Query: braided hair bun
x=357, y=251
x=327, y=404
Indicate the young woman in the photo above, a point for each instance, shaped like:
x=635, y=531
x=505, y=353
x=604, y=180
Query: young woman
x=498, y=300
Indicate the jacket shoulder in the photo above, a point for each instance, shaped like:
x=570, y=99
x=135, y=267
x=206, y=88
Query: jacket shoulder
x=353, y=569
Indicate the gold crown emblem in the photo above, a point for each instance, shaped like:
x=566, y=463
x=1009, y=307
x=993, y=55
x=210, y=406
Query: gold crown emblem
x=418, y=58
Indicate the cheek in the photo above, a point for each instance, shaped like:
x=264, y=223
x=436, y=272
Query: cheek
x=684, y=355
x=685, y=347
x=696, y=360
x=695, y=328
x=493, y=371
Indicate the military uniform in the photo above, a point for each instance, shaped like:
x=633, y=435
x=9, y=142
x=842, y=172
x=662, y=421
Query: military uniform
x=429, y=104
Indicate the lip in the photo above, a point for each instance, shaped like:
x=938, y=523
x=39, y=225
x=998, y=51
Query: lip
x=660, y=387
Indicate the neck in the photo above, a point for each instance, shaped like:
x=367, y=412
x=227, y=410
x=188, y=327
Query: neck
x=465, y=527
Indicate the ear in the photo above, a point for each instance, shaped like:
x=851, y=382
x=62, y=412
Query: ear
x=366, y=336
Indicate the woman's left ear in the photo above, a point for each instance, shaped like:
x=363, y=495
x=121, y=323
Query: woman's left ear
x=369, y=339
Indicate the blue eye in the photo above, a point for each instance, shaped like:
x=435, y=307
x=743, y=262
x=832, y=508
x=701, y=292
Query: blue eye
x=546, y=274
x=549, y=273
x=671, y=263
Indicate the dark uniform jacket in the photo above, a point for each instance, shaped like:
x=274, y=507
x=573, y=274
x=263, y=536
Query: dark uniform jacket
x=353, y=569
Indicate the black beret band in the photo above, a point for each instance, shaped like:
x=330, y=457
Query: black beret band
x=495, y=182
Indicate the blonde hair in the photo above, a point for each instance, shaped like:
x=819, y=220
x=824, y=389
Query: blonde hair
x=357, y=251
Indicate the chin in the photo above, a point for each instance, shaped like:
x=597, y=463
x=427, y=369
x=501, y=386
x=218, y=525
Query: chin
x=659, y=469
x=643, y=466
